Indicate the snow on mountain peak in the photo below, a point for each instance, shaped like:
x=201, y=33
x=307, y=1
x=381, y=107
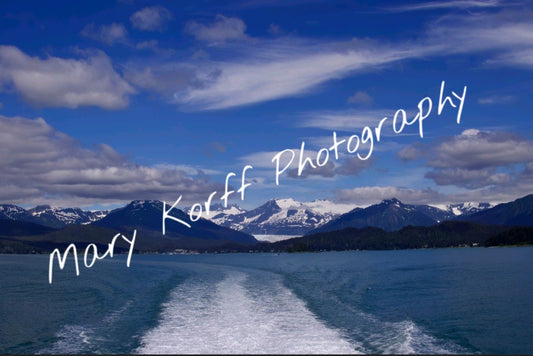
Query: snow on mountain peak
x=282, y=216
x=467, y=208
x=51, y=216
x=288, y=203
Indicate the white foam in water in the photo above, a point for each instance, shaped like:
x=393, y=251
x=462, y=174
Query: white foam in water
x=225, y=317
x=72, y=339
x=405, y=337
x=402, y=337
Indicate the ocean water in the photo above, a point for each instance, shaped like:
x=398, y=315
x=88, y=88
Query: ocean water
x=470, y=300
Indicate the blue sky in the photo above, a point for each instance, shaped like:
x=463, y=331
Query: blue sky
x=103, y=102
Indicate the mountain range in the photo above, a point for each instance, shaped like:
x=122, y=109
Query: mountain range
x=516, y=213
x=49, y=216
x=279, y=217
x=44, y=227
x=146, y=217
x=292, y=218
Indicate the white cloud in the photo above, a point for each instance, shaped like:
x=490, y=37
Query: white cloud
x=468, y=178
x=497, y=99
x=360, y=97
x=412, y=152
x=362, y=196
x=153, y=45
x=474, y=149
x=506, y=36
x=280, y=70
x=254, y=70
x=264, y=159
x=107, y=34
x=475, y=159
x=58, y=82
x=263, y=70
x=40, y=164
x=345, y=120
x=345, y=166
x=223, y=29
x=184, y=168
x=516, y=58
x=455, y=4
x=163, y=79
x=153, y=18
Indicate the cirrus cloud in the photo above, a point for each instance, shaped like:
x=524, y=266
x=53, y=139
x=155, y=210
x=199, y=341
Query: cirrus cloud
x=262, y=70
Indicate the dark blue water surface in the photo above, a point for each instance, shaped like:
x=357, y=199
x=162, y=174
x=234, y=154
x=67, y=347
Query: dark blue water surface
x=469, y=300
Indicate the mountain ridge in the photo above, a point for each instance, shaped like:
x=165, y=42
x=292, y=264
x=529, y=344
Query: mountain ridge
x=50, y=216
x=281, y=217
x=146, y=215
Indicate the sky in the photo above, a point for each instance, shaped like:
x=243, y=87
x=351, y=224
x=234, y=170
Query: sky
x=104, y=102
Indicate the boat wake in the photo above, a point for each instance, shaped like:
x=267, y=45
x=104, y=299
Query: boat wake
x=236, y=316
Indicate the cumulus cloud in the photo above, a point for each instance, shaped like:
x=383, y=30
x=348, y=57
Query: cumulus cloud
x=58, y=82
x=153, y=45
x=360, y=97
x=153, y=18
x=468, y=178
x=162, y=79
x=474, y=159
x=353, y=166
x=368, y=195
x=475, y=149
x=40, y=164
x=410, y=153
x=107, y=34
x=375, y=194
x=223, y=29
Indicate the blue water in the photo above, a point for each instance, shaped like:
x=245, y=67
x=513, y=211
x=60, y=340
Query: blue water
x=473, y=300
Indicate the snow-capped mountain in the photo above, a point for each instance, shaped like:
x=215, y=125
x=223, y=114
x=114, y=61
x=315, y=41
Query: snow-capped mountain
x=145, y=215
x=281, y=217
x=220, y=215
x=59, y=217
x=274, y=220
x=462, y=209
x=468, y=208
x=390, y=215
x=51, y=216
x=12, y=212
